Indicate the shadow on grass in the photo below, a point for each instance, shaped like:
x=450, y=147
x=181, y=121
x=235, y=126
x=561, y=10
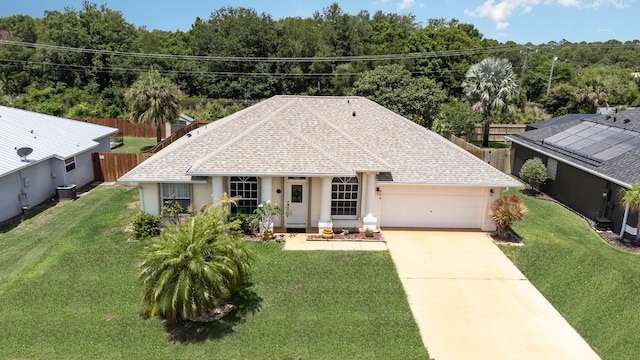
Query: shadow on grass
x=147, y=147
x=185, y=331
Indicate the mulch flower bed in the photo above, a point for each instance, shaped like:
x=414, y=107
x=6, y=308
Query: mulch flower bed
x=377, y=236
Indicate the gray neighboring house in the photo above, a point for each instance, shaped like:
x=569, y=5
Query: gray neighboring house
x=335, y=162
x=40, y=153
x=589, y=160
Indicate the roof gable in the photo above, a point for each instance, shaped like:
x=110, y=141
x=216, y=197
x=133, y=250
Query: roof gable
x=316, y=136
x=48, y=136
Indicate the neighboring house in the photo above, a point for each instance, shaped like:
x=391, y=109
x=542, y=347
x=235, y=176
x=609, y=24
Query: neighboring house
x=39, y=153
x=177, y=124
x=335, y=162
x=589, y=160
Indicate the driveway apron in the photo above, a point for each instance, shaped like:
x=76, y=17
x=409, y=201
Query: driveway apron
x=471, y=302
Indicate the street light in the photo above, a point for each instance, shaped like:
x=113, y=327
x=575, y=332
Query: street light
x=553, y=63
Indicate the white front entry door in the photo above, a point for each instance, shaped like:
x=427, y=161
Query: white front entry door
x=296, y=199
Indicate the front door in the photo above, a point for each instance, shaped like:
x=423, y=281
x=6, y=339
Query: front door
x=296, y=199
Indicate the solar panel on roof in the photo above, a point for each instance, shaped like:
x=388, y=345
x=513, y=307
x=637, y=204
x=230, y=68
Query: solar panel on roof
x=595, y=141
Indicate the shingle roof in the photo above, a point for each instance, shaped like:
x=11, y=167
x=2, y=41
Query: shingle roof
x=623, y=169
x=316, y=136
x=48, y=136
x=559, y=120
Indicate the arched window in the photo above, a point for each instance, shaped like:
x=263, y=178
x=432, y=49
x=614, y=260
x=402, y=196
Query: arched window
x=344, y=197
x=245, y=187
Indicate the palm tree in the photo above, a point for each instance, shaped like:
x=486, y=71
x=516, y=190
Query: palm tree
x=630, y=199
x=488, y=86
x=196, y=266
x=153, y=99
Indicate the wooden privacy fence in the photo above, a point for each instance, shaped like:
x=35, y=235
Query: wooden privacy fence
x=127, y=128
x=110, y=166
x=498, y=158
x=497, y=132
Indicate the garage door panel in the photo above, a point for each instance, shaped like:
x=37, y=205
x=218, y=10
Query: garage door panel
x=439, y=207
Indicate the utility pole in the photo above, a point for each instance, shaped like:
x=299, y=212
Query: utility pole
x=526, y=53
x=553, y=62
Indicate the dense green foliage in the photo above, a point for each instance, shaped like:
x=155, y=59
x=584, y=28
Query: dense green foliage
x=68, y=290
x=533, y=172
x=237, y=53
x=145, y=225
x=592, y=284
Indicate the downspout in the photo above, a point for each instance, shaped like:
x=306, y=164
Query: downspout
x=624, y=221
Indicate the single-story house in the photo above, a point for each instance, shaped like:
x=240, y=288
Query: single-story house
x=589, y=160
x=40, y=153
x=335, y=162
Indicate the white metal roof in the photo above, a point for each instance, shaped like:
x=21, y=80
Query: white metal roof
x=48, y=136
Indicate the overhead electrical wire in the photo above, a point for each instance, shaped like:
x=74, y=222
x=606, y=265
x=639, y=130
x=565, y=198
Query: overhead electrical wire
x=418, y=55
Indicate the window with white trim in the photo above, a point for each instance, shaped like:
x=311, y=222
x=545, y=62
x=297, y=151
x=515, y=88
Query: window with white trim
x=70, y=163
x=552, y=168
x=246, y=188
x=344, y=197
x=180, y=193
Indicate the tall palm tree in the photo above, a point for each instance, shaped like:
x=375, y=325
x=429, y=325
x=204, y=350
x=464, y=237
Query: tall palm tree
x=488, y=86
x=153, y=99
x=196, y=266
x=631, y=198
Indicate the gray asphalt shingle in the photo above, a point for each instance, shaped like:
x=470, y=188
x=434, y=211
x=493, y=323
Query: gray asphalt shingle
x=315, y=136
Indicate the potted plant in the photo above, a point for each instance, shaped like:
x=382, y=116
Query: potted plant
x=266, y=215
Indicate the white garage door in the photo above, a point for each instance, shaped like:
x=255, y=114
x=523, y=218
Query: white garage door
x=429, y=206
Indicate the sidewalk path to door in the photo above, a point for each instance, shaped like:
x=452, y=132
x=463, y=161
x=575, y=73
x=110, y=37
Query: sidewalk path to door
x=471, y=302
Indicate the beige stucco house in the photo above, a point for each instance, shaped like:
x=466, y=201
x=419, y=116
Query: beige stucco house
x=333, y=161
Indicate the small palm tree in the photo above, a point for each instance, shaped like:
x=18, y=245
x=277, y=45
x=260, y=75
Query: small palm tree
x=488, y=86
x=153, y=99
x=195, y=267
x=631, y=198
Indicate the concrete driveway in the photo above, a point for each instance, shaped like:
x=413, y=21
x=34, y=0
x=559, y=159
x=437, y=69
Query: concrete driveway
x=471, y=302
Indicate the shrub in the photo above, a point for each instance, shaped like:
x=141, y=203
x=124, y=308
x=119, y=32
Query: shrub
x=195, y=267
x=505, y=211
x=534, y=173
x=145, y=225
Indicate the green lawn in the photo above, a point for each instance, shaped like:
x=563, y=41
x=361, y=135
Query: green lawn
x=133, y=145
x=68, y=290
x=595, y=286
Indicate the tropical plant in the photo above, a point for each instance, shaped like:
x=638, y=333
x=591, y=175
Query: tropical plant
x=196, y=266
x=153, y=99
x=505, y=211
x=488, y=86
x=631, y=198
x=267, y=214
x=534, y=173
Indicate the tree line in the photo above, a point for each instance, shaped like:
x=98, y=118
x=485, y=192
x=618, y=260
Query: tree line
x=79, y=63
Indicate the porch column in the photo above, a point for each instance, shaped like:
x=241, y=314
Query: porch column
x=216, y=188
x=265, y=188
x=370, y=221
x=325, y=205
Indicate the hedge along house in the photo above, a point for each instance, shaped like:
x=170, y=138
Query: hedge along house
x=589, y=160
x=335, y=162
x=39, y=153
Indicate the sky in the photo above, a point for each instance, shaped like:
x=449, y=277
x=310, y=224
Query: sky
x=521, y=21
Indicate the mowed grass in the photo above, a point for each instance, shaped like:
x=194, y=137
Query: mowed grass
x=595, y=286
x=68, y=290
x=134, y=145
